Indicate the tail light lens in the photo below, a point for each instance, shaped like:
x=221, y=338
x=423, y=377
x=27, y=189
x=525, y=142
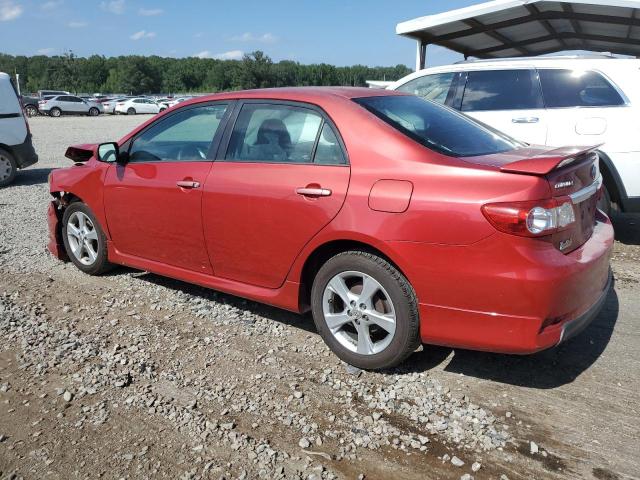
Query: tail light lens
x=532, y=218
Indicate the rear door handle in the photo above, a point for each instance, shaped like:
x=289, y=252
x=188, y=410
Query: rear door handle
x=313, y=192
x=188, y=184
x=525, y=120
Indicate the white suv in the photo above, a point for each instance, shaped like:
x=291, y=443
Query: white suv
x=553, y=101
x=16, y=149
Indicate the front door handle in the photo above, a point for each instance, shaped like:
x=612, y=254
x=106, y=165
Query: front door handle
x=525, y=120
x=188, y=184
x=313, y=192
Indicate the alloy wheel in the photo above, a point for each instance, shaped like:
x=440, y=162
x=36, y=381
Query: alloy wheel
x=359, y=312
x=6, y=169
x=83, y=238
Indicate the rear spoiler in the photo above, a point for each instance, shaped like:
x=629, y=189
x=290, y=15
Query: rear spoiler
x=81, y=153
x=547, y=161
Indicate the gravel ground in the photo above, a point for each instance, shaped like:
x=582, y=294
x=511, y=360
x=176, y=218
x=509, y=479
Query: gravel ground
x=132, y=375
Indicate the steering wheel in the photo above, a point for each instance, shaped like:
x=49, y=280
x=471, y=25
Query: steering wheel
x=192, y=152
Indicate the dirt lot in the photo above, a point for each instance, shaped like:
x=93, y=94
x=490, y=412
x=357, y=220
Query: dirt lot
x=132, y=375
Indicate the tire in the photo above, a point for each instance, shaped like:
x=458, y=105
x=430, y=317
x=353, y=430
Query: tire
x=31, y=111
x=55, y=112
x=94, y=235
x=8, y=168
x=94, y=112
x=394, y=295
x=131, y=111
x=162, y=110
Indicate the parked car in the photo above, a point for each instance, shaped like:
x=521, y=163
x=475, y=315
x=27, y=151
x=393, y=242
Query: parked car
x=553, y=101
x=393, y=219
x=16, y=148
x=133, y=106
x=30, y=105
x=52, y=93
x=176, y=101
x=109, y=105
x=69, y=105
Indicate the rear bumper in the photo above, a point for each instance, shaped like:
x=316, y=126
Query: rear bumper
x=25, y=153
x=508, y=294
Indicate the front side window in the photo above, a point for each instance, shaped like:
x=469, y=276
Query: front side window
x=430, y=87
x=183, y=136
x=438, y=127
x=577, y=88
x=274, y=133
x=501, y=90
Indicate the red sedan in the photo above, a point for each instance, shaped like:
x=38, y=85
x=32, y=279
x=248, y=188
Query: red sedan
x=394, y=220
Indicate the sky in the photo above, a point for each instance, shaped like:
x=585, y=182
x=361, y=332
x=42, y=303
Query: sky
x=338, y=32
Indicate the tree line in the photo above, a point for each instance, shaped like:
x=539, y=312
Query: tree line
x=137, y=75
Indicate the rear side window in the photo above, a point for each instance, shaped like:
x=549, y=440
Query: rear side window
x=274, y=133
x=430, y=87
x=438, y=127
x=577, y=88
x=502, y=90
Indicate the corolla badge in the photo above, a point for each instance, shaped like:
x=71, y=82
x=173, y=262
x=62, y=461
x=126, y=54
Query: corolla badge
x=559, y=185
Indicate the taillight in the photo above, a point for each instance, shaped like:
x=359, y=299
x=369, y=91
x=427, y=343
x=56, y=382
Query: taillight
x=532, y=218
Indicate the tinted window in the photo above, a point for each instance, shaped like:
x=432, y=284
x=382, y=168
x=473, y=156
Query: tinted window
x=577, y=88
x=183, y=136
x=274, y=133
x=430, y=87
x=501, y=90
x=438, y=127
x=329, y=151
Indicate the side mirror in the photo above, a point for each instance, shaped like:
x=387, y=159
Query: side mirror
x=110, y=152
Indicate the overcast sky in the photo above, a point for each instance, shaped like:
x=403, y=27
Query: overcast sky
x=339, y=32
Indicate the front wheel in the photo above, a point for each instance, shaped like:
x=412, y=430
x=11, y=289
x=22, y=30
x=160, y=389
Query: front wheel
x=84, y=240
x=131, y=111
x=31, y=111
x=8, y=168
x=365, y=310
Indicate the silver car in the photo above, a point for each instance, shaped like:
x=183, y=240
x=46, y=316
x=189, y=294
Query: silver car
x=69, y=105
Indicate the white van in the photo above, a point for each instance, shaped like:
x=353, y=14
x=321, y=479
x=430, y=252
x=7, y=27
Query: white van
x=553, y=101
x=16, y=149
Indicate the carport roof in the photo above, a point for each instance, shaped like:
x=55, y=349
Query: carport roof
x=513, y=28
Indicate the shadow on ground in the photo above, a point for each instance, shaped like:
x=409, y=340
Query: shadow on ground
x=544, y=370
x=31, y=176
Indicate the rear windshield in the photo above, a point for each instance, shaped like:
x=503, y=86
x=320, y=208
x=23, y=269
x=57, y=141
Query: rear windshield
x=438, y=127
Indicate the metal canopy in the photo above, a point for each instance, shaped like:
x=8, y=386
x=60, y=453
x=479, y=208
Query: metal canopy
x=513, y=28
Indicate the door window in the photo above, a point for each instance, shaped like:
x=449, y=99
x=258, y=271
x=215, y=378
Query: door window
x=577, y=88
x=274, y=133
x=430, y=87
x=184, y=136
x=502, y=90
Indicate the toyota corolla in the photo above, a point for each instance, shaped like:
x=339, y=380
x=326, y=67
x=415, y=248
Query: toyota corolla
x=392, y=219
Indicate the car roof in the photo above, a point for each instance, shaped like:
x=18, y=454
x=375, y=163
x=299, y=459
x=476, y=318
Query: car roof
x=300, y=94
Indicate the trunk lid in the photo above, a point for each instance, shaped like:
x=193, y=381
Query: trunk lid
x=573, y=176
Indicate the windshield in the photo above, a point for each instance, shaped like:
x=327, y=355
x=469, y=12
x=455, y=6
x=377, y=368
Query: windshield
x=438, y=127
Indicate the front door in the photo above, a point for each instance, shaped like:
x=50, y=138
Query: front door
x=284, y=177
x=509, y=101
x=153, y=202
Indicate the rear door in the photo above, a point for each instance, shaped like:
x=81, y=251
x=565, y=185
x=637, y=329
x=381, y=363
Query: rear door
x=153, y=202
x=77, y=105
x=509, y=101
x=281, y=177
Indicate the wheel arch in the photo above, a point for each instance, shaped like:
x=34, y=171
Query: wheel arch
x=323, y=252
x=612, y=181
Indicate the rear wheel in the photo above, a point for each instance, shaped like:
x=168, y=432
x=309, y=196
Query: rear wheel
x=84, y=240
x=8, y=168
x=94, y=112
x=55, y=112
x=365, y=310
x=131, y=111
